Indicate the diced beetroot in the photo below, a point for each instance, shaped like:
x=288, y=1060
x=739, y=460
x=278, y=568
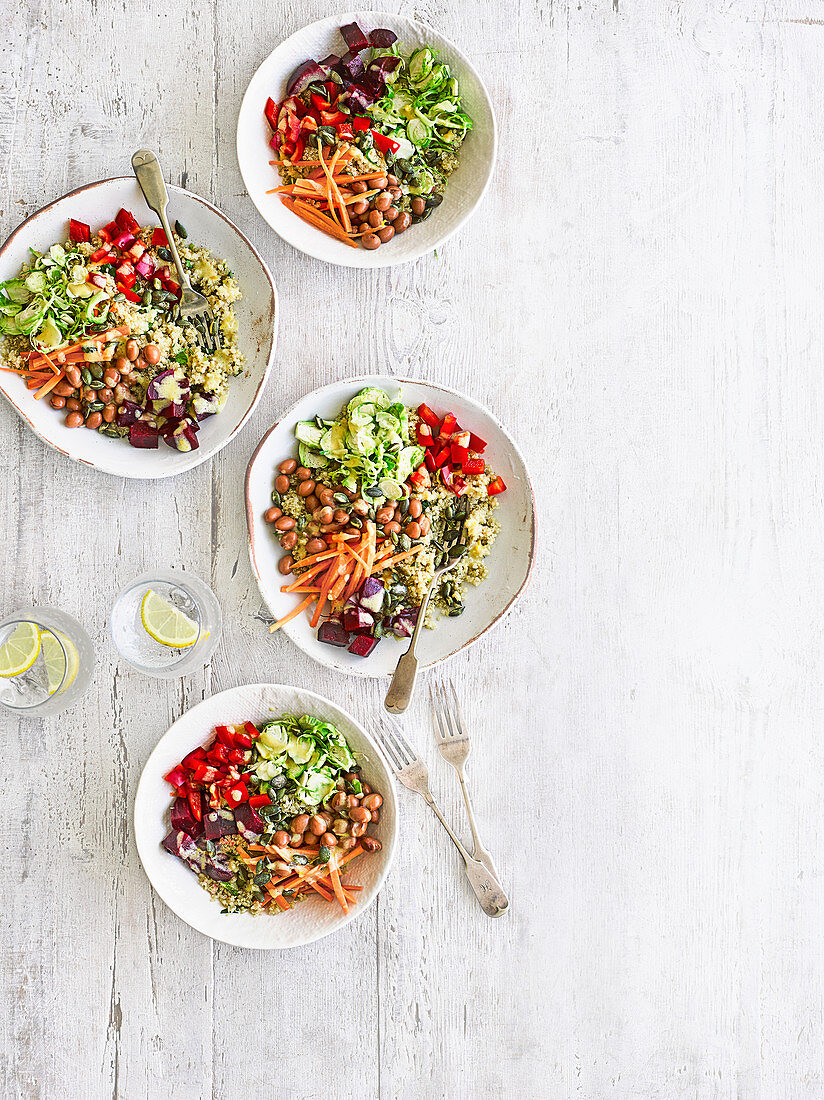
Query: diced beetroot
x=357, y=619
x=183, y=819
x=169, y=386
x=352, y=65
x=128, y=413
x=180, y=844
x=381, y=69
x=332, y=633
x=382, y=38
x=329, y=63
x=372, y=594
x=217, y=868
x=184, y=436
x=205, y=404
x=363, y=645
x=360, y=99
x=249, y=821
x=304, y=75
x=402, y=625
x=354, y=37
x=143, y=435
x=218, y=823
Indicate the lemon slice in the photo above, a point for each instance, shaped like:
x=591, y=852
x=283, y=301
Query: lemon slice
x=166, y=623
x=57, y=663
x=20, y=651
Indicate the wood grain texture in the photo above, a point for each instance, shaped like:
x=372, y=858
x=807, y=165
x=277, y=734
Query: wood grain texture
x=638, y=300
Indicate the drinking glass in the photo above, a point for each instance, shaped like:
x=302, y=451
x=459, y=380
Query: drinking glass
x=186, y=593
x=58, y=661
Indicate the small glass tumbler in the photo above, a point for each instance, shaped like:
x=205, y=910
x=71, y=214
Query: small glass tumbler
x=46, y=661
x=190, y=596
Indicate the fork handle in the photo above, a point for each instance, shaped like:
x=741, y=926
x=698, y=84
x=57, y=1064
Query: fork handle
x=485, y=885
x=478, y=851
x=403, y=681
x=150, y=178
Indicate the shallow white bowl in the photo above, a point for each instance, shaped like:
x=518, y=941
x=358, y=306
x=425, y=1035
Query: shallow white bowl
x=466, y=187
x=509, y=562
x=177, y=885
x=257, y=313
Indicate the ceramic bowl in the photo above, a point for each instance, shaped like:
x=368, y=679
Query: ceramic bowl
x=508, y=564
x=178, y=886
x=257, y=315
x=466, y=187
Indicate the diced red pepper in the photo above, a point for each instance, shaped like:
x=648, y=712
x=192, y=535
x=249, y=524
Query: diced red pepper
x=237, y=794
x=385, y=144
x=110, y=231
x=476, y=443
x=421, y=478
x=218, y=753
x=127, y=221
x=449, y=425
x=319, y=102
x=79, y=231
x=495, y=486
x=242, y=739
x=292, y=126
x=458, y=454
x=461, y=438
x=332, y=118
x=474, y=466
x=270, y=112
x=428, y=417
x=442, y=457
x=192, y=759
x=224, y=734
x=252, y=730
x=214, y=797
x=332, y=90
x=237, y=756
x=100, y=255
x=259, y=800
x=361, y=122
x=206, y=774
x=345, y=131
x=300, y=145
x=308, y=125
x=177, y=776
x=126, y=276
x=159, y=238
x=129, y=295
x=274, y=142
x=424, y=435
x=195, y=804
x=429, y=462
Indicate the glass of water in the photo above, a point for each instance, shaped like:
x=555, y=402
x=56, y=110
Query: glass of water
x=166, y=623
x=46, y=661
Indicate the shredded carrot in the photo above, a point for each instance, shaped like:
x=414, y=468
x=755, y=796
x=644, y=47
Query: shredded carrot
x=320, y=221
x=387, y=562
x=319, y=890
x=347, y=225
x=356, y=179
x=291, y=588
x=335, y=876
x=47, y=387
x=310, y=559
x=296, y=611
x=351, y=550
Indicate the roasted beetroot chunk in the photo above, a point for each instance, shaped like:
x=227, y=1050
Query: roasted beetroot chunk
x=332, y=633
x=363, y=645
x=182, y=818
x=357, y=619
x=354, y=37
x=218, y=823
x=304, y=75
x=382, y=38
x=142, y=434
x=249, y=821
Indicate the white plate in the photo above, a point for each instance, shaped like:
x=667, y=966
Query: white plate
x=257, y=313
x=509, y=562
x=466, y=186
x=177, y=885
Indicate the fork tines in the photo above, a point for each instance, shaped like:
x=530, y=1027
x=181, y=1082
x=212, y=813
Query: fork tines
x=388, y=734
x=447, y=723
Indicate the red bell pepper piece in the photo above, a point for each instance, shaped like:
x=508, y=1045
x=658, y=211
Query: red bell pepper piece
x=333, y=90
x=441, y=457
x=126, y=221
x=129, y=295
x=177, y=776
x=237, y=756
x=270, y=112
x=237, y=794
x=192, y=759
x=195, y=804
x=252, y=730
x=110, y=231
x=361, y=122
x=449, y=425
x=476, y=443
x=218, y=753
x=256, y=800
x=421, y=478
x=319, y=102
x=224, y=734
x=308, y=125
x=300, y=145
x=429, y=462
x=206, y=774
x=424, y=435
x=474, y=466
x=345, y=131
x=242, y=739
x=461, y=438
x=159, y=238
x=385, y=144
x=100, y=255
x=79, y=231
x=458, y=454
x=292, y=126
x=332, y=118
x=428, y=417
x=170, y=285
x=495, y=486
x=126, y=276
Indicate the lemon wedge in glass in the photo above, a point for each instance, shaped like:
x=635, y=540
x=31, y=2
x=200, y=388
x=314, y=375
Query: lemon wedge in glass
x=166, y=623
x=59, y=660
x=19, y=652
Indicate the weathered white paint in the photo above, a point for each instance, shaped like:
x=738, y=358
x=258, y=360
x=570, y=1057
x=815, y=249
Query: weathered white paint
x=639, y=300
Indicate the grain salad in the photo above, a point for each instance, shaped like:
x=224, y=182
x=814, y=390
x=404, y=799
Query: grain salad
x=93, y=325
x=382, y=505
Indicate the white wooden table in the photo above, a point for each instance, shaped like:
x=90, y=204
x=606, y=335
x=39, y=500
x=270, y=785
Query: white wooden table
x=639, y=299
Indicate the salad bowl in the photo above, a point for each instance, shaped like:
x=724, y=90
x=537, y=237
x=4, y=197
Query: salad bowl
x=257, y=314
x=466, y=187
x=178, y=886
x=509, y=562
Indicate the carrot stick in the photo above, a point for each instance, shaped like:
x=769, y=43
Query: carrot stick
x=347, y=225
x=310, y=559
x=47, y=387
x=281, y=903
x=351, y=550
x=290, y=588
x=335, y=876
x=370, y=546
x=326, y=225
x=387, y=562
x=305, y=577
x=296, y=611
x=355, y=179
x=319, y=890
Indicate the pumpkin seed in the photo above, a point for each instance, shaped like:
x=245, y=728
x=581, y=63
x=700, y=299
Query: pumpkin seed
x=404, y=542
x=394, y=537
x=96, y=384
x=165, y=254
x=146, y=297
x=181, y=231
x=371, y=513
x=456, y=610
x=404, y=506
x=85, y=376
x=340, y=498
x=262, y=878
x=457, y=551
x=373, y=491
x=275, y=497
x=355, y=521
x=95, y=406
x=120, y=297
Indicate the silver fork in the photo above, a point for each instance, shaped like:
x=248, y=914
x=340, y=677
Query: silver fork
x=400, y=690
x=413, y=773
x=193, y=306
x=454, y=747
